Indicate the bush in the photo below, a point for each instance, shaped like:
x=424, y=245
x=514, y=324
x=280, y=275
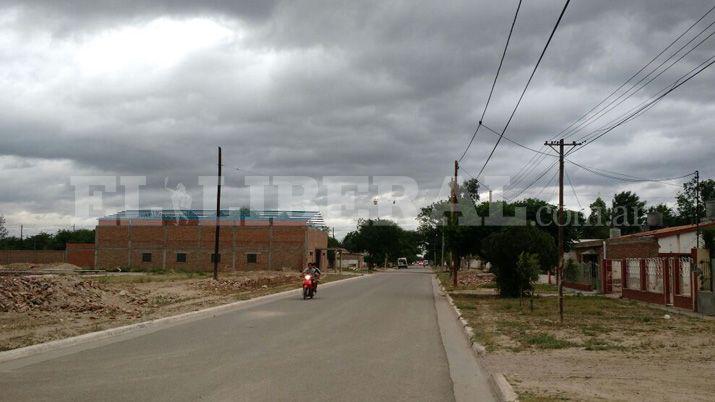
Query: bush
x=517, y=254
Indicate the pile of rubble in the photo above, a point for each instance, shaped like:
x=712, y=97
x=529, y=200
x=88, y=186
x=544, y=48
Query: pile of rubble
x=23, y=266
x=57, y=293
x=231, y=285
x=475, y=279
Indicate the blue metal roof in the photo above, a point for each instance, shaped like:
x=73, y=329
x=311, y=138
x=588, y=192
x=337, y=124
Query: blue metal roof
x=311, y=218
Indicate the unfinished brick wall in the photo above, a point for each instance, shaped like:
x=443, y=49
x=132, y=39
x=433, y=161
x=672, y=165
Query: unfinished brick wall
x=641, y=247
x=80, y=254
x=243, y=246
x=32, y=256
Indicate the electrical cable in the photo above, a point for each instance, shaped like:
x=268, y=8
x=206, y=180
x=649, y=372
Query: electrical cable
x=491, y=91
x=511, y=116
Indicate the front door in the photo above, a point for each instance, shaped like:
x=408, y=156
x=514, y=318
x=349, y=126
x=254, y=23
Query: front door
x=318, y=257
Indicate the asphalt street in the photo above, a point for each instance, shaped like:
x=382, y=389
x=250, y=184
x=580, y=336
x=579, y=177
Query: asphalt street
x=374, y=338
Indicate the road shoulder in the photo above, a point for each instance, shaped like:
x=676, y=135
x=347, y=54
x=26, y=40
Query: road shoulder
x=470, y=381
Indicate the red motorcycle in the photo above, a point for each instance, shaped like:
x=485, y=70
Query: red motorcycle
x=310, y=285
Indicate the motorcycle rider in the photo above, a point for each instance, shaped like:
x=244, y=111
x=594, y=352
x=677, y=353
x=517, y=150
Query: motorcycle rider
x=315, y=273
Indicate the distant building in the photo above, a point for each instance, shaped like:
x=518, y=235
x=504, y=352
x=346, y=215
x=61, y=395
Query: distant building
x=184, y=240
x=670, y=241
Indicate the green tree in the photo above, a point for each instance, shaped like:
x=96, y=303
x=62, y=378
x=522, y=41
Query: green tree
x=686, y=200
x=670, y=218
x=598, y=222
x=503, y=249
x=383, y=240
x=627, y=212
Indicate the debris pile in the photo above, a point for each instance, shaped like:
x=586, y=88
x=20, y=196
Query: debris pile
x=231, y=285
x=25, y=266
x=475, y=278
x=53, y=293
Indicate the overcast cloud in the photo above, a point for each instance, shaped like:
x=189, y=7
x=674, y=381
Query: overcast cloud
x=327, y=88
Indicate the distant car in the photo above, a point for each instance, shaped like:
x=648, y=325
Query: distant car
x=401, y=263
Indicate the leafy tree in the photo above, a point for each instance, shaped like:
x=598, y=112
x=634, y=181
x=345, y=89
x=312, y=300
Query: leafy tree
x=546, y=217
x=46, y=241
x=627, y=212
x=598, y=222
x=383, y=240
x=670, y=218
x=527, y=272
x=686, y=199
x=503, y=249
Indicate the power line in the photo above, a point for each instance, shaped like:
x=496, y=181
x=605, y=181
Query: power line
x=573, y=189
x=548, y=183
x=636, y=73
x=491, y=91
x=519, y=144
x=651, y=103
x=541, y=56
x=535, y=159
x=606, y=111
x=622, y=97
x=533, y=182
x=627, y=178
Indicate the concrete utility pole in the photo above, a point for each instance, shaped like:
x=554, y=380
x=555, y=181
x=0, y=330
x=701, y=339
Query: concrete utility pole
x=218, y=217
x=441, y=257
x=697, y=209
x=560, y=270
x=455, y=258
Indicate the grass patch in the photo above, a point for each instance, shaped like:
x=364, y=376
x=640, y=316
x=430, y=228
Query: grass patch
x=593, y=323
x=546, y=341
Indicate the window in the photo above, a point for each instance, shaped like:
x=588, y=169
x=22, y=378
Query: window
x=146, y=257
x=214, y=258
x=251, y=258
x=180, y=257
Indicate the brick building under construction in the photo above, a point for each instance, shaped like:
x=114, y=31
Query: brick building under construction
x=184, y=240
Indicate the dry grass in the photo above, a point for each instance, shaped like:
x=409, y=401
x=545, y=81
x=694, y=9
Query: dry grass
x=590, y=322
x=605, y=349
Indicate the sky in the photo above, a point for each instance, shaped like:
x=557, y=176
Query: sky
x=366, y=89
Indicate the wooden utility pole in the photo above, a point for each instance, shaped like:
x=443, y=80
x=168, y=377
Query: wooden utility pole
x=218, y=217
x=560, y=270
x=453, y=224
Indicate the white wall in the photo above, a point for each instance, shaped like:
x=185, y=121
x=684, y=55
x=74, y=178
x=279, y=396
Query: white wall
x=680, y=243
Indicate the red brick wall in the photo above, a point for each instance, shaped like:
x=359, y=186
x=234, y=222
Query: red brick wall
x=32, y=256
x=642, y=248
x=81, y=254
x=277, y=247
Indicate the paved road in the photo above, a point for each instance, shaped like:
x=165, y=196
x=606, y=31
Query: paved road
x=375, y=338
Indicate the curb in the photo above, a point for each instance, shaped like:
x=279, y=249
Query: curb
x=499, y=384
x=59, y=344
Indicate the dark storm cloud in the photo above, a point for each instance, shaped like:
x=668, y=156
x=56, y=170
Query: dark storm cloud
x=340, y=88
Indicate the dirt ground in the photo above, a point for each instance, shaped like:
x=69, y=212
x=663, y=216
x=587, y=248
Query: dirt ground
x=41, y=308
x=606, y=348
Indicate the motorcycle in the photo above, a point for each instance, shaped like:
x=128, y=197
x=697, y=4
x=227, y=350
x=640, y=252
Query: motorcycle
x=310, y=285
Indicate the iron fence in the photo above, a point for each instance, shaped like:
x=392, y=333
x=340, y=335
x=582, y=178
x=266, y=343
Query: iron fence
x=654, y=275
x=633, y=271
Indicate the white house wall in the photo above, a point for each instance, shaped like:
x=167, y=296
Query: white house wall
x=680, y=243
